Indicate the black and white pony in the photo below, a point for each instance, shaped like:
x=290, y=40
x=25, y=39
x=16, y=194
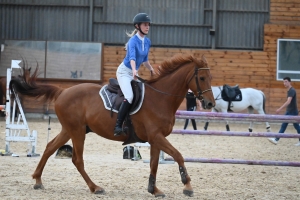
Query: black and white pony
x=252, y=99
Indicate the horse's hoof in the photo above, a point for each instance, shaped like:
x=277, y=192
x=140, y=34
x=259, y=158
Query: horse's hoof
x=160, y=195
x=38, y=186
x=189, y=193
x=102, y=191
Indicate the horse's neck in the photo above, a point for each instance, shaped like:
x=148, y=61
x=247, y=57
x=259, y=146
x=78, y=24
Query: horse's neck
x=216, y=90
x=172, y=91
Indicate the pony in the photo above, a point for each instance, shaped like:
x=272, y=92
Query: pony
x=252, y=99
x=80, y=106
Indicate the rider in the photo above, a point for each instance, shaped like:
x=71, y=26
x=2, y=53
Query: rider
x=137, y=49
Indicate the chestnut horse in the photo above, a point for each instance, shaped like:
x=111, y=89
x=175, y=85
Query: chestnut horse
x=80, y=106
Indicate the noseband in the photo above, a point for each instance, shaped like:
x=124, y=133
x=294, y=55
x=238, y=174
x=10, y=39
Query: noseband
x=199, y=92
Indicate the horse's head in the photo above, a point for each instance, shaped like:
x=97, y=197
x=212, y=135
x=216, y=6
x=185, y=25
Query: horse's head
x=200, y=83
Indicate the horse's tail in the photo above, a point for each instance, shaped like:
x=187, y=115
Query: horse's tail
x=29, y=87
x=264, y=102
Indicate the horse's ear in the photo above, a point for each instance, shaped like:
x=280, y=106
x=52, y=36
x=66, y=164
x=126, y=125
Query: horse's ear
x=29, y=69
x=204, y=59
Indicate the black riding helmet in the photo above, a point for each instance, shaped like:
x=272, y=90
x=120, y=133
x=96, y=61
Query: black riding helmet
x=140, y=18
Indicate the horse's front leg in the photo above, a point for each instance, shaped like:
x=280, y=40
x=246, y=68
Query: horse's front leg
x=163, y=144
x=154, y=154
x=250, y=127
x=227, y=123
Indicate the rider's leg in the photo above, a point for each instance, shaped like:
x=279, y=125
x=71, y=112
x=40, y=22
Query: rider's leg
x=124, y=76
x=124, y=108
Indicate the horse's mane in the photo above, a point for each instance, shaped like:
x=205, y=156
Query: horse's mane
x=172, y=64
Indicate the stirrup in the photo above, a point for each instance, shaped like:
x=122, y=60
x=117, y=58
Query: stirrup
x=118, y=132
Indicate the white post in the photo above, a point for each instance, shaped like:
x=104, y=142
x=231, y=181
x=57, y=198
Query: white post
x=13, y=130
x=7, y=110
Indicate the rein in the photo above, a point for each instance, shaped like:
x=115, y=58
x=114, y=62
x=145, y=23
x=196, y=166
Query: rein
x=219, y=94
x=144, y=81
x=199, y=92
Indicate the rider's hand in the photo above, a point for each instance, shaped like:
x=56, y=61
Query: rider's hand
x=152, y=72
x=134, y=74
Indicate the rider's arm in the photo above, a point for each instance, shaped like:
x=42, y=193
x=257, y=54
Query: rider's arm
x=148, y=65
x=133, y=68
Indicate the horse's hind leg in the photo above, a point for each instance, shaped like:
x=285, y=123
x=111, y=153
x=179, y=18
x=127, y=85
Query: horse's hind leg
x=268, y=127
x=160, y=142
x=77, y=159
x=262, y=112
x=51, y=147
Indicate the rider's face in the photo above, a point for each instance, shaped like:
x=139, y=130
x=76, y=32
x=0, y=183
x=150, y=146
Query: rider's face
x=145, y=26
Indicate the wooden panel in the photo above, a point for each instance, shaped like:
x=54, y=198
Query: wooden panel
x=284, y=11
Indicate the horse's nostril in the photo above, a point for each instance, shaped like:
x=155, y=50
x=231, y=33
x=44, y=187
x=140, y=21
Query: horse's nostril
x=210, y=105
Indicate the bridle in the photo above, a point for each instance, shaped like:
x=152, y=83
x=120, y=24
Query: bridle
x=199, y=92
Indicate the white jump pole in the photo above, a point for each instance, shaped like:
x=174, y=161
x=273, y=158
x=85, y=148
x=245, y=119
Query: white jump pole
x=146, y=144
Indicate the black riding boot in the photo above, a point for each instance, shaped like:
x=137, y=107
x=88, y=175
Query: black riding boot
x=124, y=108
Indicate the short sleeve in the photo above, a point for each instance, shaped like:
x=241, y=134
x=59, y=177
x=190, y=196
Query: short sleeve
x=291, y=93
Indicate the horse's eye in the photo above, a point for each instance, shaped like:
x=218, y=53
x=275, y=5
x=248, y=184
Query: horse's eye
x=202, y=78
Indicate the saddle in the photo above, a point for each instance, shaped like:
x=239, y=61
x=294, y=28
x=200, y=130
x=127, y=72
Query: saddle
x=231, y=94
x=114, y=87
x=113, y=94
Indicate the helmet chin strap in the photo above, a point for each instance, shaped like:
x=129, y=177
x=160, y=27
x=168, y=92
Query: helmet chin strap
x=141, y=30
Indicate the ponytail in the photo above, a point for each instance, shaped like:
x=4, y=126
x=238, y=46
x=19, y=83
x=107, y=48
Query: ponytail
x=130, y=35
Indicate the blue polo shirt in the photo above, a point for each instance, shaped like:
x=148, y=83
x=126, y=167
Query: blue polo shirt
x=136, y=52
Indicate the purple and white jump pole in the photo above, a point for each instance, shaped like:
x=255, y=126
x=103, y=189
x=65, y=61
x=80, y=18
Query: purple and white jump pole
x=180, y=114
x=236, y=133
x=237, y=117
x=239, y=161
